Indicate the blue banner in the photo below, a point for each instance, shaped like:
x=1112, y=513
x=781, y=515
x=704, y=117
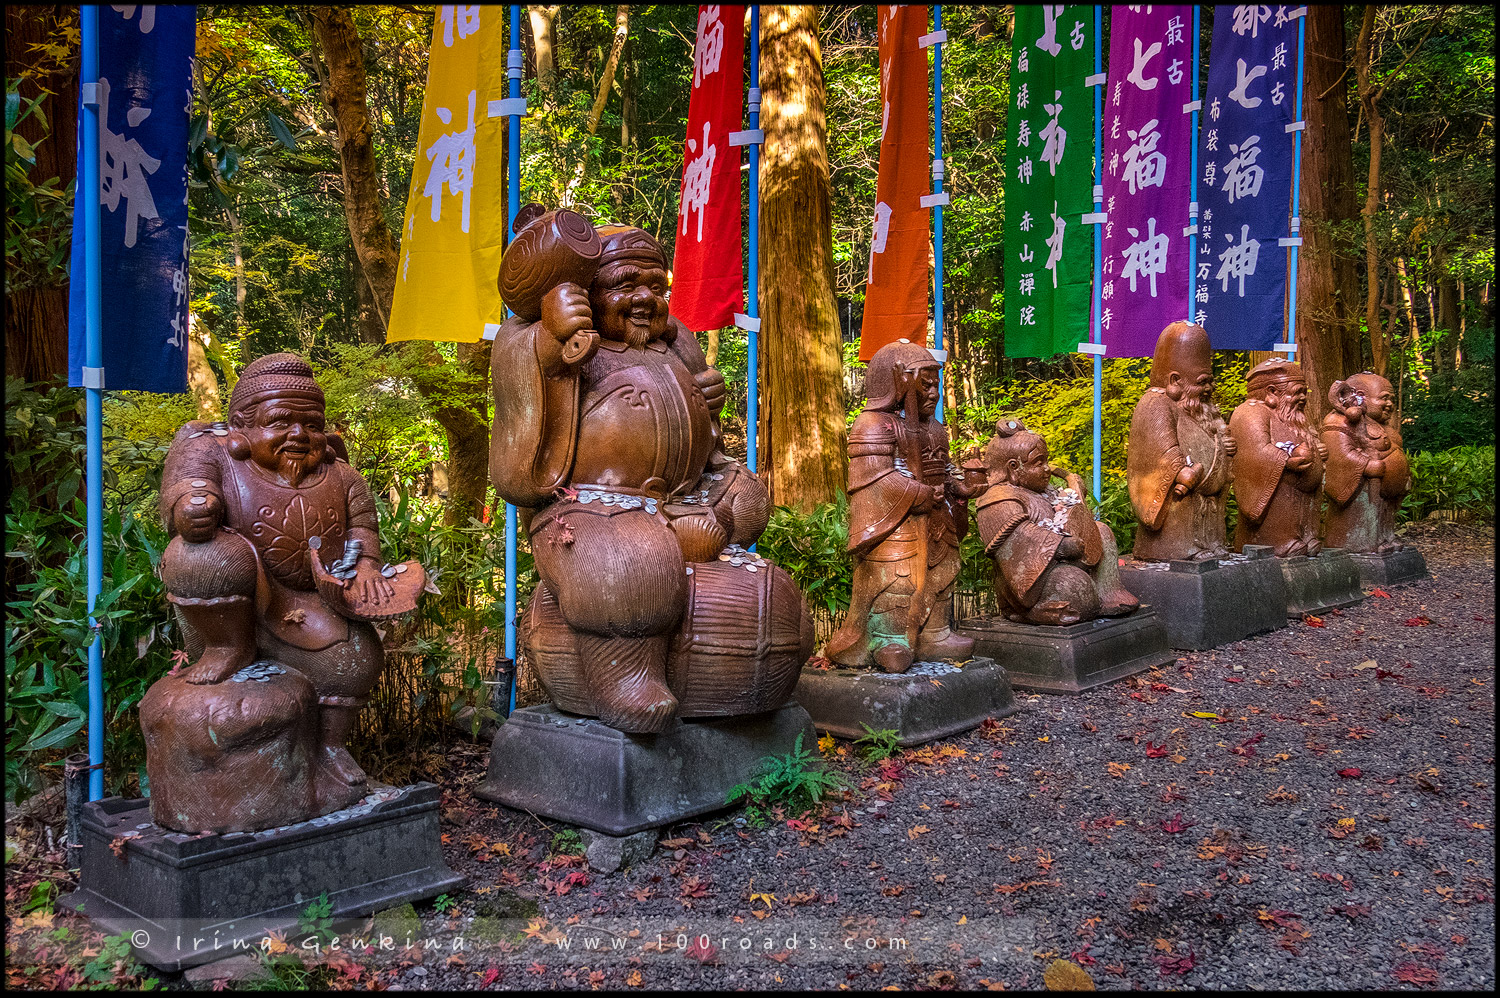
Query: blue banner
x=1245, y=178
x=145, y=96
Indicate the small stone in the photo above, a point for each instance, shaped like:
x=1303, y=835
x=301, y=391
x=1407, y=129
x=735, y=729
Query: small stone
x=240, y=967
x=608, y=853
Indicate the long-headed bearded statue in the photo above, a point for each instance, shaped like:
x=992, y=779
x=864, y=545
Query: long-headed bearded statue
x=908, y=510
x=1367, y=474
x=606, y=433
x=1177, y=467
x=1278, y=463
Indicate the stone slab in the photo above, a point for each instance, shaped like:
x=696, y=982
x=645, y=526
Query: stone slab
x=841, y=701
x=581, y=771
x=1212, y=603
x=1073, y=657
x=608, y=853
x=1399, y=568
x=1314, y=585
x=186, y=899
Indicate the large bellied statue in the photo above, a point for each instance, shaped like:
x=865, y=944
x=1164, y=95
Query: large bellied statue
x=1054, y=563
x=1278, y=463
x=908, y=510
x=606, y=434
x=274, y=572
x=1177, y=466
x=1367, y=475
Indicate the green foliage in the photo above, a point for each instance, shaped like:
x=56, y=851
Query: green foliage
x=316, y=920
x=876, y=745
x=813, y=548
x=38, y=213
x=566, y=843
x=795, y=782
x=443, y=903
x=1460, y=479
x=1437, y=417
x=115, y=959
x=43, y=893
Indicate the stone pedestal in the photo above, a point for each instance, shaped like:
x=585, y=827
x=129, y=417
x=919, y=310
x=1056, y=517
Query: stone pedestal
x=1396, y=569
x=583, y=772
x=930, y=700
x=1204, y=604
x=1074, y=657
x=186, y=900
x=1314, y=585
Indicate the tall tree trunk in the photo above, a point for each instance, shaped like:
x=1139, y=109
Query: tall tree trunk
x=237, y=248
x=1326, y=275
x=606, y=84
x=544, y=41
x=1445, y=350
x=803, y=430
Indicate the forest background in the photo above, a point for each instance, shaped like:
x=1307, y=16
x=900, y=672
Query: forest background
x=304, y=132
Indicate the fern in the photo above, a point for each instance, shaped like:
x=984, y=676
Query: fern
x=796, y=782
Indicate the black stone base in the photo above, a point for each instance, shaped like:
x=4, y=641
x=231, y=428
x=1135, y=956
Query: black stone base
x=1314, y=585
x=930, y=700
x=581, y=771
x=1397, y=569
x=1207, y=604
x=1073, y=657
x=185, y=900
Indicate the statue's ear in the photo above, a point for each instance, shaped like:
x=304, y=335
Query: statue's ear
x=238, y=445
x=1174, y=386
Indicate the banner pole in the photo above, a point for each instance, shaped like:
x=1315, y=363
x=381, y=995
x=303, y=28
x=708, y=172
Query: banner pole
x=1193, y=172
x=1296, y=224
x=1098, y=335
x=752, y=298
x=937, y=217
x=512, y=205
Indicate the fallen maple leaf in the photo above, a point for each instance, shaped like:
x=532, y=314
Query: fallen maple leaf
x=1312, y=621
x=1381, y=593
x=1417, y=621
x=913, y=832
x=536, y=968
x=694, y=887
x=489, y=977
x=1118, y=769
x=1064, y=975
x=1175, y=825
x=1415, y=973
x=1352, y=773
x=633, y=979
x=1154, y=751
x=702, y=950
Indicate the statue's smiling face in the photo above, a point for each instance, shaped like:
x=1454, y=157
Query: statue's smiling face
x=1379, y=400
x=629, y=302
x=288, y=437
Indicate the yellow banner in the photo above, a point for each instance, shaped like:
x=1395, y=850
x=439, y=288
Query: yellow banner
x=454, y=228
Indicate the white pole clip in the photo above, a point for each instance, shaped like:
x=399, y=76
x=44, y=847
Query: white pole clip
x=928, y=200
x=89, y=94
x=936, y=38
x=750, y=324
x=749, y=137
x=1097, y=349
x=1094, y=218
x=507, y=107
x=93, y=377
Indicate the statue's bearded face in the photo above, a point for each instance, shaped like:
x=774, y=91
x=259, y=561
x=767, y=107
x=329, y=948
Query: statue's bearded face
x=1194, y=392
x=629, y=302
x=1379, y=400
x=287, y=437
x=927, y=391
x=1289, y=400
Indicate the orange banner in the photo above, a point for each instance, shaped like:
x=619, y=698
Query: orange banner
x=896, y=292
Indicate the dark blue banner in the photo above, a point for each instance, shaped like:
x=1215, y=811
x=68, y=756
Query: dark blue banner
x=1245, y=177
x=145, y=95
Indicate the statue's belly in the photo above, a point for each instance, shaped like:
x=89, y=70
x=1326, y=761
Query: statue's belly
x=646, y=427
x=280, y=520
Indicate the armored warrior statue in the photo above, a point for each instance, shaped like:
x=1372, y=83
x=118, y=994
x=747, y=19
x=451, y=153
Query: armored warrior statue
x=1177, y=466
x=1278, y=463
x=606, y=434
x=1367, y=475
x=908, y=510
x=1054, y=563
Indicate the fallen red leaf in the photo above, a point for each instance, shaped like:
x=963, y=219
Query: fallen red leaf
x=1351, y=773
x=1312, y=621
x=1156, y=751
x=1233, y=679
x=1175, y=825
x=702, y=950
x=489, y=977
x=1417, y=621
x=1381, y=593
x=1414, y=973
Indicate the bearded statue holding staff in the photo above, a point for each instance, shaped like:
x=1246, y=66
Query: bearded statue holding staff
x=1278, y=463
x=1368, y=474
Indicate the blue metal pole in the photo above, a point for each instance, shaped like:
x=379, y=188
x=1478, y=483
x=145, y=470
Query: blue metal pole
x=1291, y=323
x=88, y=194
x=937, y=188
x=752, y=297
x=1193, y=175
x=512, y=205
x=1098, y=334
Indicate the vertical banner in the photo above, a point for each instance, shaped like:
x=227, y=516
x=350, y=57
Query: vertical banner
x=707, y=276
x=900, y=249
x=1049, y=181
x=1147, y=149
x=454, y=229
x=145, y=97
x=1245, y=188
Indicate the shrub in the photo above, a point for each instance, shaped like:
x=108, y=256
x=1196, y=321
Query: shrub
x=1461, y=479
x=796, y=781
x=812, y=547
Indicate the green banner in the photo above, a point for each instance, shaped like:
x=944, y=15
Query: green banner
x=1049, y=160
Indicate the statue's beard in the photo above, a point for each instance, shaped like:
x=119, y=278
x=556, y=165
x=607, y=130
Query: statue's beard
x=630, y=334
x=1295, y=419
x=294, y=470
x=1200, y=409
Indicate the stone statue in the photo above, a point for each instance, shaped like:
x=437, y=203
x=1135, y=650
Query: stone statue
x=1367, y=475
x=1278, y=463
x=274, y=572
x=1054, y=563
x=606, y=434
x=908, y=510
x=1177, y=467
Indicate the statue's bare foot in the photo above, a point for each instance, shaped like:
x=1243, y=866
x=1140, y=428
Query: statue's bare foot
x=945, y=644
x=1054, y=612
x=216, y=665
x=1117, y=603
x=341, y=764
x=894, y=658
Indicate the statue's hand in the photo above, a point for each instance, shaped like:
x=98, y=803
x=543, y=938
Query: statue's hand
x=368, y=587
x=1187, y=477
x=1375, y=468
x=1230, y=446
x=1071, y=547
x=926, y=500
x=1300, y=459
x=1322, y=449
x=197, y=523
x=566, y=315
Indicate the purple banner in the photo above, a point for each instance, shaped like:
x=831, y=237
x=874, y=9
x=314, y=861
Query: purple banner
x=1147, y=154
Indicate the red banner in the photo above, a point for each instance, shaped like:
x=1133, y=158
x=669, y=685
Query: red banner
x=896, y=292
x=708, y=280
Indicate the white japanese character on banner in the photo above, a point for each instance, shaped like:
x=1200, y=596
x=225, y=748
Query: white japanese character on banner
x=1146, y=257
x=695, y=182
x=1144, y=165
x=1022, y=97
x=709, y=46
x=1109, y=233
x=1048, y=42
x=1023, y=170
x=1027, y=283
x=1245, y=79
x=1242, y=177
x=1025, y=221
x=1077, y=37
x=1238, y=261
x=452, y=157
x=1026, y=255
x=882, y=227
x=1023, y=61
x=1174, y=72
x=1213, y=109
x=1111, y=202
x=1055, y=136
x=1203, y=271
x=1055, y=243
x=1028, y=315
x=1278, y=58
x=885, y=120
x=1142, y=59
x=1114, y=128
x=1115, y=100
x=148, y=15
x=1208, y=231
x=1174, y=31
x=1108, y=292
x=1201, y=295
x=1105, y=318
x=1277, y=93
x=1208, y=214
x=1201, y=317
x=1023, y=134
x=463, y=17
x=1249, y=18
x=123, y=167
x=1212, y=142
x=1210, y=173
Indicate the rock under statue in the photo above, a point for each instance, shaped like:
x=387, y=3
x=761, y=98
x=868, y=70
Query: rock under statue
x=606, y=434
x=274, y=572
x=1177, y=465
x=908, y=511
x=1367, y=475
x=1278, y=463
x=1054, y=563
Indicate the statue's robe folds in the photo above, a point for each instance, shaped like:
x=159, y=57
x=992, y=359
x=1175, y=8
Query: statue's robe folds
x=1164, y=440
x=1361, y=515
x=1277, y=507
